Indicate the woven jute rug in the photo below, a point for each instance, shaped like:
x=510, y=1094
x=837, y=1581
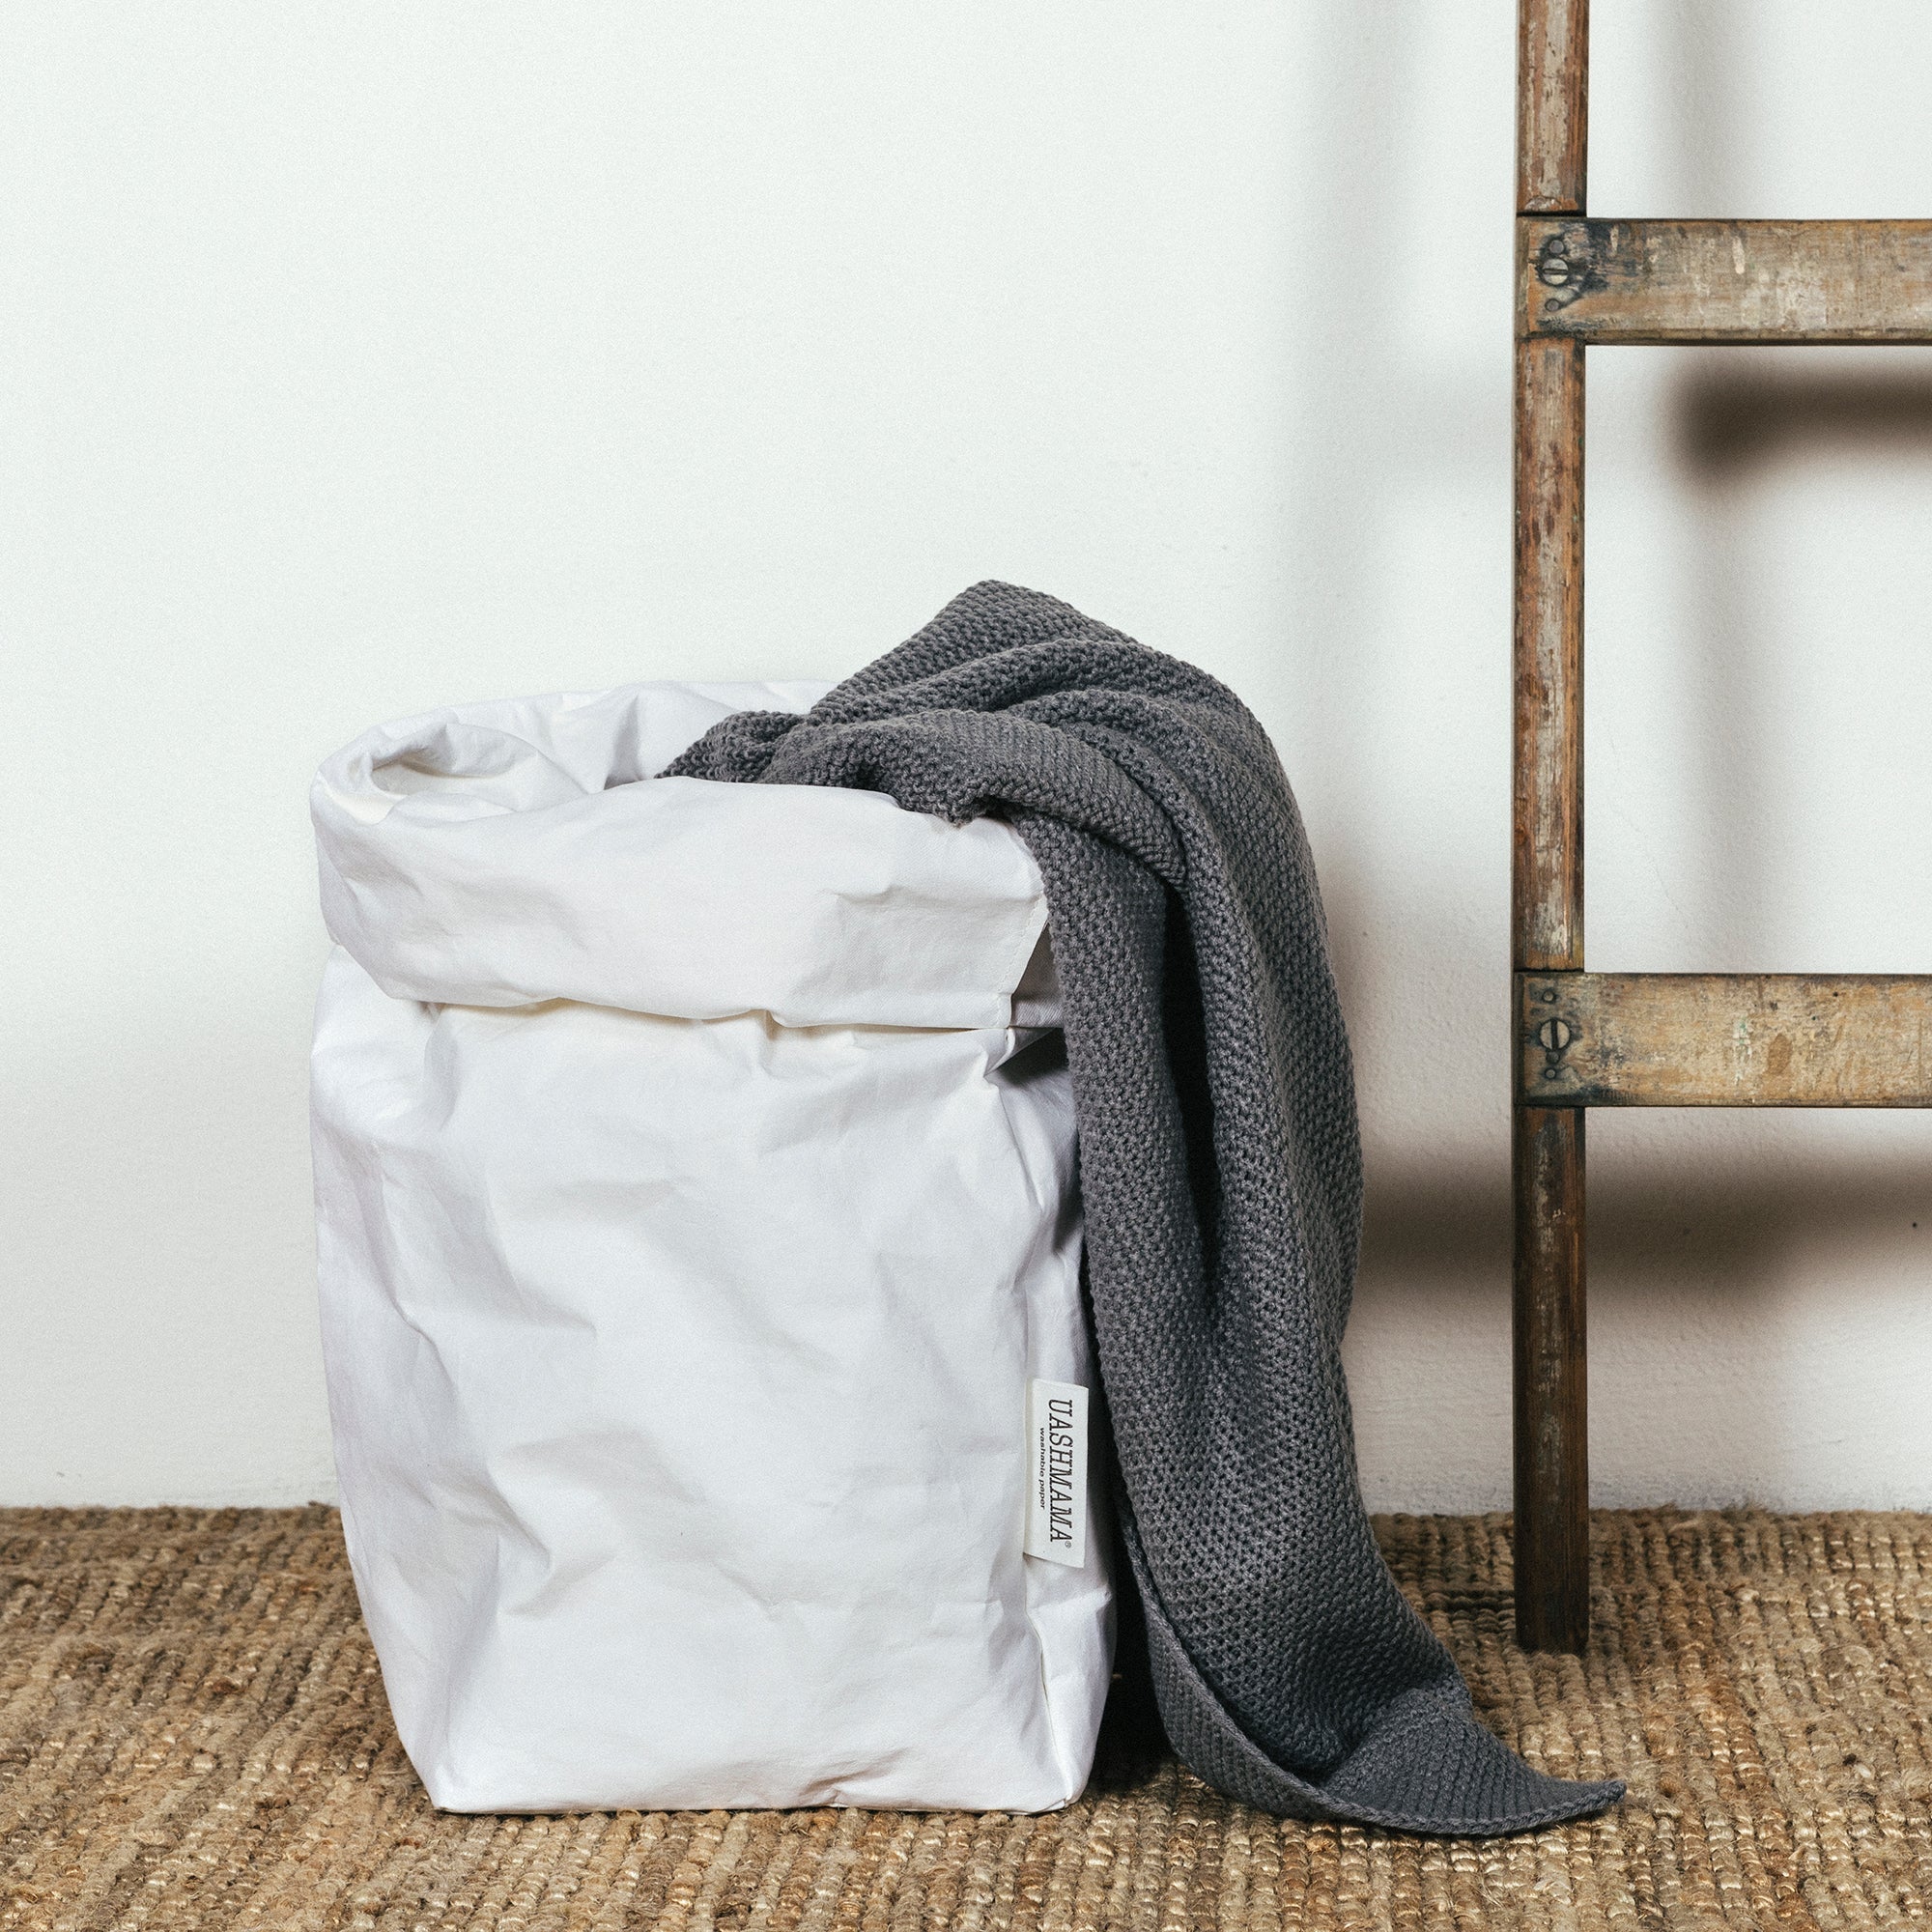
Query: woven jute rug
x=194, y=1733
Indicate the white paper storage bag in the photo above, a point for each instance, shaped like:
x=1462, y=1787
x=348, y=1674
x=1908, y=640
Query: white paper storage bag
x=694, y=1217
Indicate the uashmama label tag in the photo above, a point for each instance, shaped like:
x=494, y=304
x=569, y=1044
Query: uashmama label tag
x=1056, y=1520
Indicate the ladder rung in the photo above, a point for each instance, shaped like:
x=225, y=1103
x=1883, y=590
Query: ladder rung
x=1724, y=281
x=1724, y=1039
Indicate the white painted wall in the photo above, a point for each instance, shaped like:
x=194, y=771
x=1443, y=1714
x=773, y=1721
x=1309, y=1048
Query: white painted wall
x=359, y=358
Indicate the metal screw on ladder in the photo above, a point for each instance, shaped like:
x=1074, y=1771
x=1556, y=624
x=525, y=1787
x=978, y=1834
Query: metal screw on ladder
x=1554, y=1036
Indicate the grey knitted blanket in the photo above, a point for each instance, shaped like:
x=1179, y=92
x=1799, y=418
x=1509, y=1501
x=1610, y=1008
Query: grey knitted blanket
x=1221, y=1172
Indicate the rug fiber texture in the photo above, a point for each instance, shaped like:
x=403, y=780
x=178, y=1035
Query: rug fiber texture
x=193, y=1734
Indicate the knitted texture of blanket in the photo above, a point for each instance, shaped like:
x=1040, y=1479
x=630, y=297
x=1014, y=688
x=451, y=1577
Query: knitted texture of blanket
x=1221, y=1169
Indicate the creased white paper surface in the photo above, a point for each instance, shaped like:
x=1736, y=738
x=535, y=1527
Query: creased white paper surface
x=675, y=1351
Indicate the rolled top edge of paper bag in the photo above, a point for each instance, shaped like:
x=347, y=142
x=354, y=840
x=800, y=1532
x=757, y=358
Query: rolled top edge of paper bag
x=514, y=852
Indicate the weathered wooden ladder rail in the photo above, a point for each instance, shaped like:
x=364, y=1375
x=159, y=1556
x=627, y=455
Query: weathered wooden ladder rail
x=1640, y=1039
x=1724, y=281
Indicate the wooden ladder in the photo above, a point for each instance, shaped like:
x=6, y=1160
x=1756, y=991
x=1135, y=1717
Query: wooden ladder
x=1640, y=1039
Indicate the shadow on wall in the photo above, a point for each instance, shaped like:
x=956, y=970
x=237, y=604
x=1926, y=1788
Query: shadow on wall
x=1739, y=418
x=1648, y=1216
